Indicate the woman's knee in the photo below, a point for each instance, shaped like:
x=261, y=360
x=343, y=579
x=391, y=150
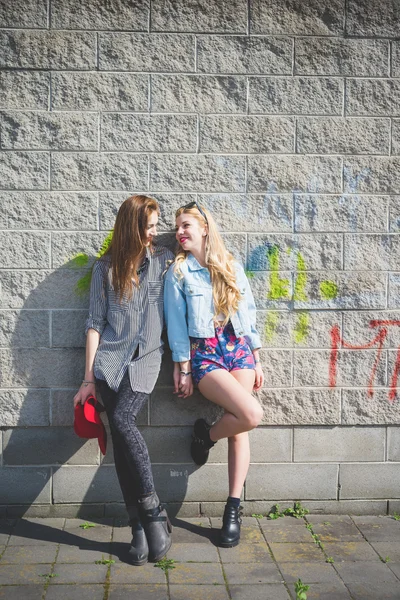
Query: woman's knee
x=253, y=415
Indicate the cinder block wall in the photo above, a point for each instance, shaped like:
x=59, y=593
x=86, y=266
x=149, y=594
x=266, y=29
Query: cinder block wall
x=279, y=116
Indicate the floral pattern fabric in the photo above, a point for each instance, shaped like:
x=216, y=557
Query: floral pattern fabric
x=224, y=351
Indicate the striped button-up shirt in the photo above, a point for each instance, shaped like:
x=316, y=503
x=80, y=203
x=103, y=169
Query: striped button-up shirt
x=130, y=330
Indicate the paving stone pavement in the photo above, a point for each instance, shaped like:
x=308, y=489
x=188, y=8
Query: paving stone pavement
x=340, y=557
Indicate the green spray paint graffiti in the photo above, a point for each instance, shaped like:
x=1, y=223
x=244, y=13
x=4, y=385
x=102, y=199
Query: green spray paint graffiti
x=278, y=289
x=80, y=260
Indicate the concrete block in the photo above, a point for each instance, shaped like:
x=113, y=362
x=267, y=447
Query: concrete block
x=384, y=248
x=242, y=54
x=372, y=174
x=68, y=328
x=41, y=289
x=395, y=59
x=393, y=442
x=359, y=327
x=25, y=484
x=24, y=170
x=91, y=484
x=186, y=482
x=352, y=290
x=379, y=480
x=347, y=507
x=99, y=91
x=316, y=251
x=375, y=97
x=249, y=134
x=48, y=446
x=295, y=95
x=292, y=481
x=337, y=135
x=376, y=21
x=28, y=407
x=341, y=57
x=168, y=410
x=203, y=173
x=166, y=52
x=275, y=174
x=394, y=290
x=394, y=506
x=50, y=210
x=99, y=171
x=24, y=90
x=269, y=212
x=97, y=15
x=300, y=329
x=396, y=136
x=343, y=213
x=61, y=50
x=24, y=329
x=62, y=408
x=201, y=17
x=354, y=368
x=297, y=18
x=148, y=133
x=271, y=444
x=64, y=246
x=300, y=406
x=25, y=250
x=359, y=408
x=236, y=244
x=277, y=367
x=38, y=130
x=43, y=368
x=32, y=14
x=198, y=93
x=339, y=444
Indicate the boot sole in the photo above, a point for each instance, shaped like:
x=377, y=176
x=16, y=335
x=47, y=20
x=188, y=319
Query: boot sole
x=230, y=545
x=139, y=564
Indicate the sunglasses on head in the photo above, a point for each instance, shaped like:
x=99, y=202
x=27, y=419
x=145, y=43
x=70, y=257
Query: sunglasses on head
x=201, y=211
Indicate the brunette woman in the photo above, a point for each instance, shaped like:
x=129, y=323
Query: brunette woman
x=123, y=358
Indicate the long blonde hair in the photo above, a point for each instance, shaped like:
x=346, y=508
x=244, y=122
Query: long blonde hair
x=220, y=263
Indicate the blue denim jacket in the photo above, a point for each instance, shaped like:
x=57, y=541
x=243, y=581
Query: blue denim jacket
x=189, y=308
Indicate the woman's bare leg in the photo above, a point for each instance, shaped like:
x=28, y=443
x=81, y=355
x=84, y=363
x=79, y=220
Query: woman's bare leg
x=242, y=411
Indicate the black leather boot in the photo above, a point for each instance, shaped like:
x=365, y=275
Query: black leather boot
x=157, y=526
x=230, y=532
x=139, y=550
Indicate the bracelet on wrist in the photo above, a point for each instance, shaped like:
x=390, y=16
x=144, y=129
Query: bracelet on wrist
x=257, y=360
x=87, y=381
x=185, y=372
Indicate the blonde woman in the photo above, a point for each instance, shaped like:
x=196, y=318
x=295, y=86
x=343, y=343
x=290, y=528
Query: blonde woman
x=210, y=315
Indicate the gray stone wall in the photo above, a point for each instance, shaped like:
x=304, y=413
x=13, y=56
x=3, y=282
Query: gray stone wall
x=282, y=117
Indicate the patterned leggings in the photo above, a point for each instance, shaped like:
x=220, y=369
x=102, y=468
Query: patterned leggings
x=131, y=457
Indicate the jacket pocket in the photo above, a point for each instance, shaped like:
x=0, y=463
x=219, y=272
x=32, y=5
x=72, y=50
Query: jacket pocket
x=195, y=301
x=155, y=292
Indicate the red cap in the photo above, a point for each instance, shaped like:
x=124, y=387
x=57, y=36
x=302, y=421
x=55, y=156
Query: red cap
x=87, y=422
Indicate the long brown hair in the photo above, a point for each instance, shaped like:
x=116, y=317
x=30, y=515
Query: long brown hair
x=220, y=263
x=127, y=248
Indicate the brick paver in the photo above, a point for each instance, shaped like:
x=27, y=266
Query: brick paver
x=58, y=559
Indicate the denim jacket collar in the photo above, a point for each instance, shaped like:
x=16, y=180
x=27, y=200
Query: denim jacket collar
x=193, y=263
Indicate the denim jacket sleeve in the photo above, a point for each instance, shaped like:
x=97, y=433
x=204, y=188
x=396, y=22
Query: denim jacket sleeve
x=253, y=338
x=175, y=311
x=97, y=318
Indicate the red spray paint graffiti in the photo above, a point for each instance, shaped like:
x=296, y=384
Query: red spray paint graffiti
x=337, y=341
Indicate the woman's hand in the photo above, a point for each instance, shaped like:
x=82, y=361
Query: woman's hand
x=86, y=390
x=183, y=384
x=259, y=378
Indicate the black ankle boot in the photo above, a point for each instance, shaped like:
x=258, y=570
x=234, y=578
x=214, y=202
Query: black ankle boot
x=201, y=442
x=230, y=532
x=139, y=550
x=157, y=526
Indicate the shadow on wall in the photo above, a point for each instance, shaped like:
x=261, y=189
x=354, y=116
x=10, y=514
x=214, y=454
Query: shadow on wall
x=47, y=470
